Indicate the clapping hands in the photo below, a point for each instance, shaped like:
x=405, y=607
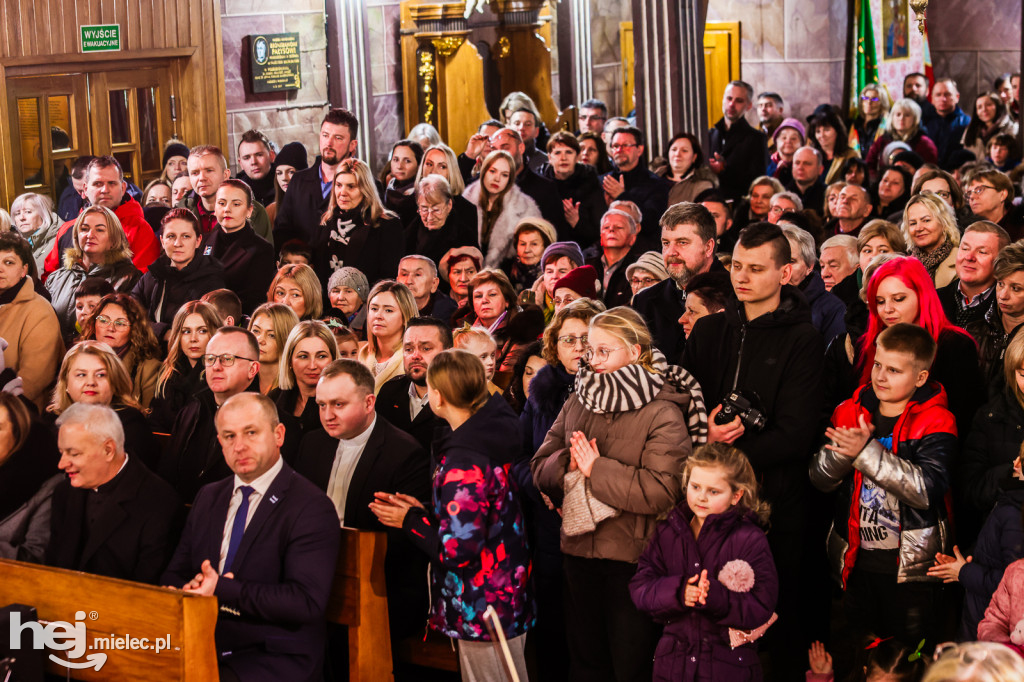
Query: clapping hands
x=697, y=589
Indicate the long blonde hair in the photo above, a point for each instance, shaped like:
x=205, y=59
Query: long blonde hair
x=122, y=391
x=738, y=472
x=371, y=207
x=307, y=281
x=303, y=330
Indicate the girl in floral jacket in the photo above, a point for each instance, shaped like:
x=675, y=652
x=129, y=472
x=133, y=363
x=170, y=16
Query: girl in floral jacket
x=474, y=533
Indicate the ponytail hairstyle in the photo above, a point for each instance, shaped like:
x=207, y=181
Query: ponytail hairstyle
x=459, y=378
x=626, y=325
x=738, y=472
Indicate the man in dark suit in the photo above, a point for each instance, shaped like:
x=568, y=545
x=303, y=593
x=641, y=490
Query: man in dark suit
x=265, y=543
x=739, y=152
x=356, y=455
x=112, y=516
x=309, y=190
x=688, y=249
x=403, y=400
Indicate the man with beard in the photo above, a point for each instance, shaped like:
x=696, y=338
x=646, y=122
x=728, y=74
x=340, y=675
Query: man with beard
x=403, y=401
x=308, y=192
x=770, y=113
x=688, y=249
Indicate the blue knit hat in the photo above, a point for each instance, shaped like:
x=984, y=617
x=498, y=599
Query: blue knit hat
x=570, y=250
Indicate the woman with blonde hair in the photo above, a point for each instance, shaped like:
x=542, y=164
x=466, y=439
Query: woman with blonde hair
x=500, y=206
x=271, y=324
x=389, y=307
x=92, y=373
x=975, y=662
x=99, y=249
x=310, y=347
x=867, y=126
x=181, y=373
x=474, y=530
x=296, y=285
x=930, y=230
x=612, y=463
x=32, y=215
x=902, y=125
x=356, y=230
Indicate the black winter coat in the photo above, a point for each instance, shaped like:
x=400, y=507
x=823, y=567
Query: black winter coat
x=745, y=152
x=779, y=355
x=249, y=263
x=181, y=387
x=301, y=207
x=650, y=193
x=545, y=195
x=989, y=450
x=345, y=240
x=618, y=292
x=459, y=230
x=584, y=188
x=164, y=288
x=295, y=427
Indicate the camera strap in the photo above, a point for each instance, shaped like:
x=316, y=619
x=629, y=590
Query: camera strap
x=739, y=356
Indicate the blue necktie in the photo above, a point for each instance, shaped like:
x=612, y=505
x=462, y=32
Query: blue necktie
x=238, y=527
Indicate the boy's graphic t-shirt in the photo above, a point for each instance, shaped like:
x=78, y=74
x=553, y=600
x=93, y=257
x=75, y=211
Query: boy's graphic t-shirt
x=879, y=514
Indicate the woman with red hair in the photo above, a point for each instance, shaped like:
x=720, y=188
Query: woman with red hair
x=900, y=290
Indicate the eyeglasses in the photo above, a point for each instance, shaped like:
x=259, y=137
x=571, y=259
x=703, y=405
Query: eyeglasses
x=433, y=210
x=570, y=340
x=226, y=359
x=601, y=354
x=942, y=193
x=868, y=98
x=119, y=323
x=643, y=281
x=978, y=191
x=622, y=147
x=777, y=209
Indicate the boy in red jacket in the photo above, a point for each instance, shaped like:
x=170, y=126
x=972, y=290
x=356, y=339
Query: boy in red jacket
x=889, y=456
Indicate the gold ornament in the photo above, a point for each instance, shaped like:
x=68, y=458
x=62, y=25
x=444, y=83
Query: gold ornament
x=426, y=73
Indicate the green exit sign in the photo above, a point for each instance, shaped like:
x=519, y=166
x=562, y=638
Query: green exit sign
x=101, y=38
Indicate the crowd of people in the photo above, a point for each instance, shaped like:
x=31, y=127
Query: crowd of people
x=649, y=408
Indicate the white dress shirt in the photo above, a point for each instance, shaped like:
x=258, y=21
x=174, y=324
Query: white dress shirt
x=416, y=403
x=345, y=459
x=260, y=487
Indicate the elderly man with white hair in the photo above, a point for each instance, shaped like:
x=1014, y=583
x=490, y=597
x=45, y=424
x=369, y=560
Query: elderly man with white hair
x=783, y=202
x=619, y=250
x=112, y=516
x=840, y=264
x=827, y=311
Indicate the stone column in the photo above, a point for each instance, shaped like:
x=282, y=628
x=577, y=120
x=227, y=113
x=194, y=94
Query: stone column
x=668, y=38
x=575, y=61
x=348, y=77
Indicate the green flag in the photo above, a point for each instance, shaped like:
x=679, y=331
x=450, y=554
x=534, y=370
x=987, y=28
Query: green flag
x=867, y=67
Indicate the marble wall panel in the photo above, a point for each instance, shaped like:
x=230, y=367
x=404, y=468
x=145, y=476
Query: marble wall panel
x=270, y=6
x=387, y=127
x=974, y=24
x=763, y=31
x=608, y=87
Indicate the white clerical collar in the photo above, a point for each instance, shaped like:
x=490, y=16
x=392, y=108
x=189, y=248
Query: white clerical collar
x=360, y=440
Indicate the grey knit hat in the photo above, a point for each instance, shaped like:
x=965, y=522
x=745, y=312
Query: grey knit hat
x=570, y=250
x=351, y=278
x=652, y=262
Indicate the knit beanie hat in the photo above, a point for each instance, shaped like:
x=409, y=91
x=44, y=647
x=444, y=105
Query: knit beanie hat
x=457, y=254
x=351, y=278
x=536, y=225
x=791, y=123
x=652, y=262
x=583, y=280
x=570, y=250
x=293, y=154
x=174, y=149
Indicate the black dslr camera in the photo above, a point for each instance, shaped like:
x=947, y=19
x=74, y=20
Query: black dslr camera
x=746, y=406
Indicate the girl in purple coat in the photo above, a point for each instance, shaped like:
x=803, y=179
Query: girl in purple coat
x=708, y=573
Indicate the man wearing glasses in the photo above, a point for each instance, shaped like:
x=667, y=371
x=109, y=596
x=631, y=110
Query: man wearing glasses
x=593, y=114
x=634, y=182
x=193, y=457
x=990, y=195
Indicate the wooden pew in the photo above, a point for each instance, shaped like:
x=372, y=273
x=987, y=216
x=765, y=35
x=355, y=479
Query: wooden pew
x=359, y=601
x=119, y=608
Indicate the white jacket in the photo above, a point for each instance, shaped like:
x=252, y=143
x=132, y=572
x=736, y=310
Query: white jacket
x=517, y=206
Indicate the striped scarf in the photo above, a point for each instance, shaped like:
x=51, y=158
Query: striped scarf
x=631, y=387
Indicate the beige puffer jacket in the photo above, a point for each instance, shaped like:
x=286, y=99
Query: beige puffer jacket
x=639, y=471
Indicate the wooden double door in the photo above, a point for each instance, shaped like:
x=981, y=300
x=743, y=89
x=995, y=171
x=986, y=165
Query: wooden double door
x=55, y=118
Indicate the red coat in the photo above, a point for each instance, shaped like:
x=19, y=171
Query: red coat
x=141, y=238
